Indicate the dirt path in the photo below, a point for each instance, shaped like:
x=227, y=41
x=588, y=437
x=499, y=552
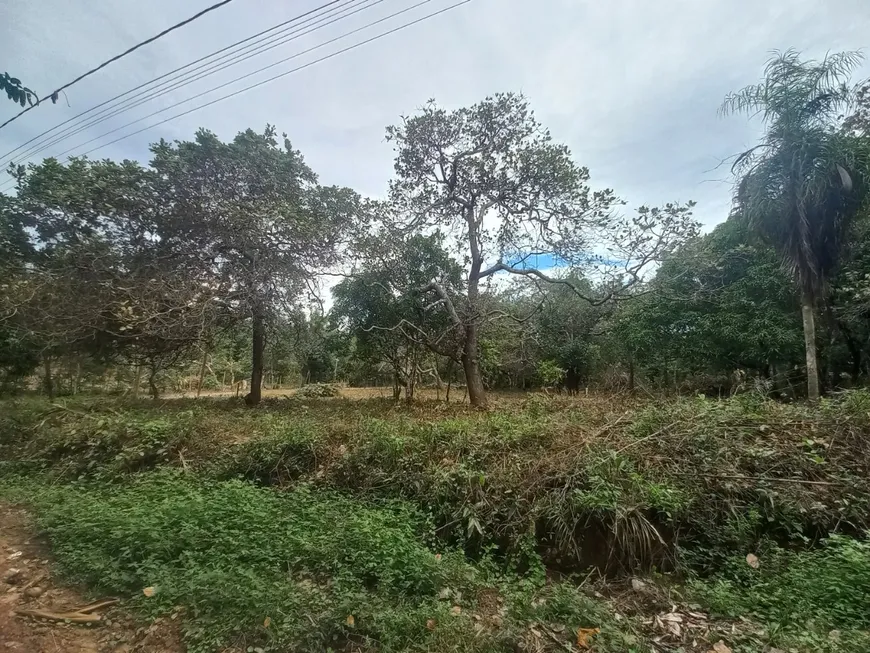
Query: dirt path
x=26, y=583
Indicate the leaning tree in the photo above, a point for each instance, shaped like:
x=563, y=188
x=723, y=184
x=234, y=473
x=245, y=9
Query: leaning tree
x=802, y=184
x=491, y=178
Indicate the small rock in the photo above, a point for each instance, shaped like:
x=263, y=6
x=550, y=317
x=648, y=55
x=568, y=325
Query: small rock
x=638, y=585
x=33, y=592
x=13, y=576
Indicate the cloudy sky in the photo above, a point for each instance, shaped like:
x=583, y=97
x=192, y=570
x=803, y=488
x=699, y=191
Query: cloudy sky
x=631, y=86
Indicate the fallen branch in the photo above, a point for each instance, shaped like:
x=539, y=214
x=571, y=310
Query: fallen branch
x=73, y=617
x=96, y=605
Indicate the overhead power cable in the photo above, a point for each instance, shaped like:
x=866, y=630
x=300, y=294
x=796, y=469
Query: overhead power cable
x=119, y=56
x=270, y=79
x=177, y=81
x=284, y=74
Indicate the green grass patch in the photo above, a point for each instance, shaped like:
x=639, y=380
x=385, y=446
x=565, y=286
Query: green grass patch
x=811, y=600
x=229, y=555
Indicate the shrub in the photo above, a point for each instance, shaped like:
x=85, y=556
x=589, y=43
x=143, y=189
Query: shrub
x=318, y=391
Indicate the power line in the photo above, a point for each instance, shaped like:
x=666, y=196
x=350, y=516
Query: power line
x=264, y=68
x=192, y=76
x=172, y=72
x=119, y=56
x=284, y=74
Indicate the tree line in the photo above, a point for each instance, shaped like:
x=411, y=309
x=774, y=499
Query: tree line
x=492, y=261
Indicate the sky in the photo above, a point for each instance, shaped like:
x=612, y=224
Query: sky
x=631, y=87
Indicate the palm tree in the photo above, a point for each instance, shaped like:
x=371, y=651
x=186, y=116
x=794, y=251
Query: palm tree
x=801, y=185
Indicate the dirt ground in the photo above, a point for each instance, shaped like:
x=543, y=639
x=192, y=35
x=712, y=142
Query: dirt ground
x=26, y=583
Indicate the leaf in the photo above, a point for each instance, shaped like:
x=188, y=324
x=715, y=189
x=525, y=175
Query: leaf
x=752, y=560
x=430, y=624
x=456, y=611
x=720, y=647
x=267, y=622
x=584, y=635
x=149, y=591
x=54, y=98
x=350, y=620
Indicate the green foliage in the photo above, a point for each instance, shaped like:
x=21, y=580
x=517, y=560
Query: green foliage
x=800, y=595
x=682, y=482
x=228, y=555
x=318, y=391
x=17, y=92
x=550, y=373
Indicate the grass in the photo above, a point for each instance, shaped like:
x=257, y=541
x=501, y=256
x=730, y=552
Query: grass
x=309, y=511
x=811, y=600
x=318, y=569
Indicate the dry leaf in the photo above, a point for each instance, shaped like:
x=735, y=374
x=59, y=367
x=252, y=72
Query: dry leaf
x=430, y=624
x=267, y=622
x=149, y=591
x=350, y=620
x=584, y=635
x=456, y=611
x=752, y=560
x=437, y=557
x=720, y=647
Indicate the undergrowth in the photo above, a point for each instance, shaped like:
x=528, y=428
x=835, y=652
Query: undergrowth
x=304, y=513
x=812, y=600
x=670, y=484
x=301, y=570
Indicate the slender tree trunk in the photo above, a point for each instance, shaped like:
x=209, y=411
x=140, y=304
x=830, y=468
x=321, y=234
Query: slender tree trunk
x=258, y=348
x=397, y=386
x=471, y=365
x=152, y=382
x=201, y=372
x=808, y=314
x=631, y=375
x=137, y=377
x=47, y=382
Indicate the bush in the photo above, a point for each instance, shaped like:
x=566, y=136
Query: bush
x=318, y=391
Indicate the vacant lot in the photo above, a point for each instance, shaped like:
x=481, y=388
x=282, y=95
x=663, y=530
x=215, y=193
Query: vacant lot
x=543, y=524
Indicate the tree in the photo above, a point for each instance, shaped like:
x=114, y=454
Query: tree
x=720, y=304
x=491, y=177
x=98, y=278
x=249, y=220
x=389, y=321
x=803, y=183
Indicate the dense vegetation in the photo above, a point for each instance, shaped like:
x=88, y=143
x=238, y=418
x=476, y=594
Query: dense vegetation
x=473, y=516
x=433, y=527
x=492, y=263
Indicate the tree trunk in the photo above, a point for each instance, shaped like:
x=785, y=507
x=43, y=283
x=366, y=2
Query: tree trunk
x=201, y=372
x=47, y=382
x=631, y=375
x=152, y=382
x=471, y=366
x=397, y=386
x=137, y=377
x=808, y=314
x=258, y=348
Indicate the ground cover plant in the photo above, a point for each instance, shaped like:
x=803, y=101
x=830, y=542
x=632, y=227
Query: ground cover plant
x=391, y=517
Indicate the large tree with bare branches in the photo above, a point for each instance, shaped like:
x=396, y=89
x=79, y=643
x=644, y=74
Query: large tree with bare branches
x=493, y=179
